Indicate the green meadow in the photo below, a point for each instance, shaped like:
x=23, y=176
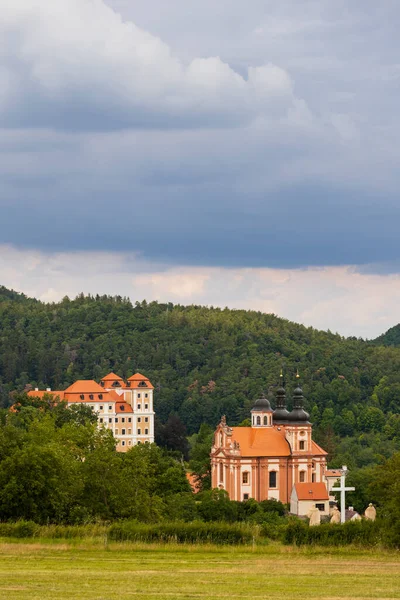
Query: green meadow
x=44, y=570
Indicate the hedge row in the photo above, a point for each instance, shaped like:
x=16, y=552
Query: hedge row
x=194, y=533
x=359, y=533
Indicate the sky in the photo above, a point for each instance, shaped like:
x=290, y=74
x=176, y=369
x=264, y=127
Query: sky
x=220, y=153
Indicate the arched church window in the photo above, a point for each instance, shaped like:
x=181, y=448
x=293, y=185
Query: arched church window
x=302, y=476
x=221, y=439
x=245, y=477
x=302, y=445
x=221, y=472
x=258, y=420
x=272, y=479
x=265, y=420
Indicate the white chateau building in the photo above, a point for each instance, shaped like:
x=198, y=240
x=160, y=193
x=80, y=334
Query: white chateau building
x=124, y=407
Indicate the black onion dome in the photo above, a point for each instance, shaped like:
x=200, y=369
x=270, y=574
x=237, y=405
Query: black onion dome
x=280, y=413
x=298, y=414
x=262, y=405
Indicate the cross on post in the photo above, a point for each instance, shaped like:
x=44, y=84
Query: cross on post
x=343, y=489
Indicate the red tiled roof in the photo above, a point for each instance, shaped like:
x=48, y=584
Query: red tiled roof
x=332, y=473
x=263, y=441
x=123, y=407
x=137, y=378
x=112, y=377
x=85, y=386
x=317, y=450
x=311, y=491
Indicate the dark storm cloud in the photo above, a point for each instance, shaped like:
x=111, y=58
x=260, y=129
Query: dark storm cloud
x=114, y=140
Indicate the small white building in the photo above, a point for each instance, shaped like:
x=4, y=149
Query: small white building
x=306, y=496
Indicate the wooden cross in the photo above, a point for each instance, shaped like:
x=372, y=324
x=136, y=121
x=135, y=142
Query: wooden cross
x=343, y=489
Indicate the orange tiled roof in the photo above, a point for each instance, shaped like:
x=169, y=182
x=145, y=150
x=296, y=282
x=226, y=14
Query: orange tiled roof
x=85, y=386
x=41, y=393
x=311, y=491
x=332, y=473
x=317, y=450
x=263, y=441
x=137, y=378
x=112, y=377
x=123, y=407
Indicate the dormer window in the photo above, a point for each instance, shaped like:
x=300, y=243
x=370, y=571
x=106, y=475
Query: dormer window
x=91, y=396
x=258, y=420
x=100, y=396
x=142, y=384
x=116, y=384
x=128, y=384
x=122, y=407
x=82, y=396
x=102, y=383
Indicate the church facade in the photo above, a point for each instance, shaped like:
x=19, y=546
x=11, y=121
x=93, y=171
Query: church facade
x=266, y=460
x=124, y=407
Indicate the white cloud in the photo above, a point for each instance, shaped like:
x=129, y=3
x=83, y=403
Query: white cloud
x=338, y=298
x=84, y=67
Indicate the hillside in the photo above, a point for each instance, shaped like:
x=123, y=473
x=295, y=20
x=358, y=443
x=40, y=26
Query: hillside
x=205, y=362
x=390, y=338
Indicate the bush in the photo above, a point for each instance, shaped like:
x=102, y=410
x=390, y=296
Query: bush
x=21, y=529
x=196, y=532
x=360, y=533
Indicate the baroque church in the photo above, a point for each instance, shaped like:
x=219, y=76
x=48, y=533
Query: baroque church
x=273, y=457
x=124, y=407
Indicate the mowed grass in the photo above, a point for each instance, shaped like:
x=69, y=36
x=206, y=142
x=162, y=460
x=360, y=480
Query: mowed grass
x=87, y=570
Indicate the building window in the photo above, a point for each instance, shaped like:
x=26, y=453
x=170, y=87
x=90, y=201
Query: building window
x=123, y=431
x=302, y=445
x=110, y=408
x=116, y=419
x=320, y=507
x=116, y=432
x=146, y=406
x=221, y=472
x=123, y=443
x=139, y=431
x=258, y=420
x=100, y=396
x=245, y=496
x=302, y=476
x=146, y=431
x=129, y=431
x=313, y=477
x=245, y=477
x=265, y=420
x=101, y=420
x=130, y=420
x=110, y=420
x=129, y=443
x=91, y=397
x=146, y=419
x=101, y=408
x=139, y=419
x=272, y=479
x=138, y=406
x=123, y=419
x=146, y=395
x=82, y=396
x=122, y=407
x=138, y=395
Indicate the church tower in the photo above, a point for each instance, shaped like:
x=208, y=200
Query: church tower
x=261, y=413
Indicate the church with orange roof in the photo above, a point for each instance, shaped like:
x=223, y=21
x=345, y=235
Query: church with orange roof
x=124, y=407
x=269, y=458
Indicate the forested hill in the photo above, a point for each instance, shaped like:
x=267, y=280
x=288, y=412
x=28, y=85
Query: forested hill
x=204, y=362
x=390, y=338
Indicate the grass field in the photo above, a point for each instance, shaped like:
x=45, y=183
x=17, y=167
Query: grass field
x=59, y=570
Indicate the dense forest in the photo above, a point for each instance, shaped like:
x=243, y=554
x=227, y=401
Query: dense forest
x=205, y=362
